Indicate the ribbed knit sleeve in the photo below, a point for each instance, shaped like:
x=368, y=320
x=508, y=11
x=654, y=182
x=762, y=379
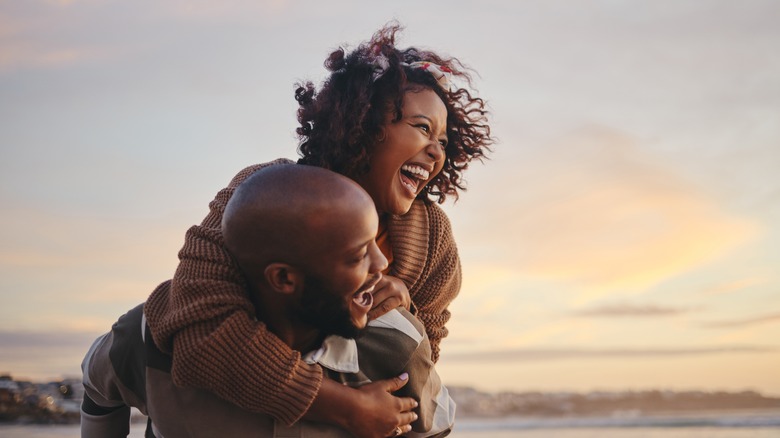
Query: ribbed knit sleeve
x=426, y=259
x=205, y=318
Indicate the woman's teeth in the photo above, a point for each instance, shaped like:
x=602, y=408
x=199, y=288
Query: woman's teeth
x=412, y=176
x=417, y=171
x=409, y=183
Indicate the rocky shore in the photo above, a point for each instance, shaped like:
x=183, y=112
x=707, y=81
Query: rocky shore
x=58, y=402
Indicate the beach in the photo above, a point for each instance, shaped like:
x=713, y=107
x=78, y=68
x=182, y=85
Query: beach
x=72, y=431
x=733, y=424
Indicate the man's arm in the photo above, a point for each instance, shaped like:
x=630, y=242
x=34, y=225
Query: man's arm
x=102, y=422
x=114, y=379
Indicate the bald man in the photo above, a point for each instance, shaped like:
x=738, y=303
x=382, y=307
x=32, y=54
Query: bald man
x=304, y=240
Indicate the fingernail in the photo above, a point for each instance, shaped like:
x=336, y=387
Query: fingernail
x=404, y=376
x=415, y=405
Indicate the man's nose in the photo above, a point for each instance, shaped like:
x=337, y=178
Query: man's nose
x=378, y=260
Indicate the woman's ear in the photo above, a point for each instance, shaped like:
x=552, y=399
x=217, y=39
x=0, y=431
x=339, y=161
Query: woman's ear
x=382, y=135
x=283, y=278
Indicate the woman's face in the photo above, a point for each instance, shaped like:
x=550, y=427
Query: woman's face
x=411, y=153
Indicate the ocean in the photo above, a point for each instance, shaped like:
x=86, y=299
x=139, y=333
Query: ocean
x=72, y=431
x=742, y=424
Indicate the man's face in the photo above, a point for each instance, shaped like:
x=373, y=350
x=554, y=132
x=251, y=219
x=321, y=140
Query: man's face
x=342, y=276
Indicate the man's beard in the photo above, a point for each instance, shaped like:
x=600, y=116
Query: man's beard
x=323, y=309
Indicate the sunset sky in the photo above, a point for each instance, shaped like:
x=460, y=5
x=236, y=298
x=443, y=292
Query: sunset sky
x=624, y=233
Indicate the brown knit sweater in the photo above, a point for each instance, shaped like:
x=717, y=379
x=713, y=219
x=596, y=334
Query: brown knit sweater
x=203, y=316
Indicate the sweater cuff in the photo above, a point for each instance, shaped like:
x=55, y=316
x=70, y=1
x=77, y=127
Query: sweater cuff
x=299, y=393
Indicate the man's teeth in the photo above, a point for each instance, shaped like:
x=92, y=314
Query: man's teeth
x=364, y=298
x=417, y=171
x=368, y=291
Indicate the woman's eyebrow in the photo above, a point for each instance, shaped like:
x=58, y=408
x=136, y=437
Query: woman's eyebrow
x=421, y=116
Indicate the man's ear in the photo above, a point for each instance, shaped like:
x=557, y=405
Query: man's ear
x=283, y=278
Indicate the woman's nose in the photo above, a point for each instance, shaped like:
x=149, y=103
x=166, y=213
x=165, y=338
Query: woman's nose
x=436, y=151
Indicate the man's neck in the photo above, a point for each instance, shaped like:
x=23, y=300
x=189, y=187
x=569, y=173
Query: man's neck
x=297, y=335
x=285, y=324
x=305, y=340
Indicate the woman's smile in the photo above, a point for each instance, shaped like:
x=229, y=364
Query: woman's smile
x=414, y=177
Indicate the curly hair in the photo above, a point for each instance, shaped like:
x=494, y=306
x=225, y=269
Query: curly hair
x=340, y=124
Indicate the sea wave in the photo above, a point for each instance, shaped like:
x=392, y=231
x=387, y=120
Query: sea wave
x=629, y=419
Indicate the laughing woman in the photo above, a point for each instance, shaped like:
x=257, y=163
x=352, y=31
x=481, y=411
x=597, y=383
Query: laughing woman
x=392, y=120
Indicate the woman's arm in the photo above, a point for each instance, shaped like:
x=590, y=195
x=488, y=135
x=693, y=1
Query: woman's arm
x=440, y=280
x=203, y=316
x=370, y=411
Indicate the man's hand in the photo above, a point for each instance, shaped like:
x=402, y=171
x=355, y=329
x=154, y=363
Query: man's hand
x=389, y=294
x=370, y=411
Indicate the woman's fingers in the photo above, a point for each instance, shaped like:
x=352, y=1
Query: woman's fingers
x=389, y=294
x=405, y=404
x=394, y=384
x=381, y=413
x=383, y=307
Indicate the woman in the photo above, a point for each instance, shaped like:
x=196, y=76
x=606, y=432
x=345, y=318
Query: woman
x=390, y=120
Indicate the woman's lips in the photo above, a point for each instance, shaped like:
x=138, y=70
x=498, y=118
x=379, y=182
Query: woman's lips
x=413, y=178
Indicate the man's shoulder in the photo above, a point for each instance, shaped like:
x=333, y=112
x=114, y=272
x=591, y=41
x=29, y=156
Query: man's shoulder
x=401, y=320
x=388, y=343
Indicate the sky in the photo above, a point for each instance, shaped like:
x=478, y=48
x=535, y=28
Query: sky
x=622, y=234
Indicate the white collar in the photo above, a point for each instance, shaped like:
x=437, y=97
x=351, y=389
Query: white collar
x=336, y=354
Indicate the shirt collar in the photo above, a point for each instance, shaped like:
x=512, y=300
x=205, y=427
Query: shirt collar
x=336, y=354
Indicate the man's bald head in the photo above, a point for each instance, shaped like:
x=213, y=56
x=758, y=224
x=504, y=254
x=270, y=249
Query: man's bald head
x=289, y=214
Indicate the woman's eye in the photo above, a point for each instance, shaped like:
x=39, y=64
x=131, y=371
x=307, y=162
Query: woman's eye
x=443, y=143
x=425, y=128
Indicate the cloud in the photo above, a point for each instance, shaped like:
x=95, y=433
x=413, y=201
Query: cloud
x=756, y=320
x=45, y=238
x=41, y=355
x=31, y=340
x=552, y=354
x=733, y=286
x=595, y=211
x=30, y=55
x=620, y=310
x=207, y=10
x=77, y=271
x=47, y=35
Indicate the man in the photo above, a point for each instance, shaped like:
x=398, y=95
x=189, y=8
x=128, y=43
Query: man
x=304, y=240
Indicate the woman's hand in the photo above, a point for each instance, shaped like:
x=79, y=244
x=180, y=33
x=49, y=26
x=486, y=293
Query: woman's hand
x=370, y=411
x=389, y=294
x=383, y=412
